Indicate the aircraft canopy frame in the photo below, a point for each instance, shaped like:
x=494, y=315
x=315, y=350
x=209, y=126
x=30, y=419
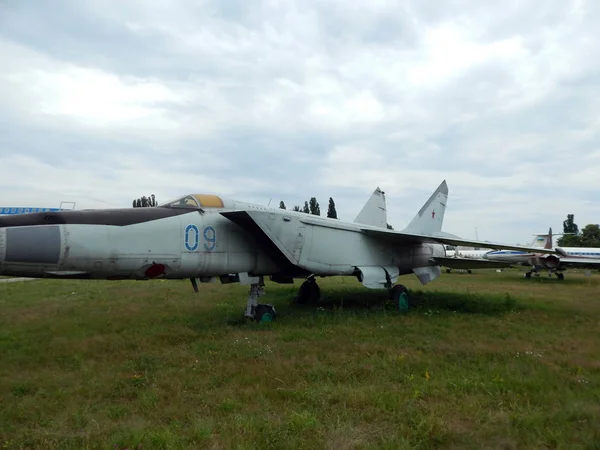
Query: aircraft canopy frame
x=195, y=201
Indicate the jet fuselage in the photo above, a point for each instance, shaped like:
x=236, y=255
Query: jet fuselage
x=171, y=242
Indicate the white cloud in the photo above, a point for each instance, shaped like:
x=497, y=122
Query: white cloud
x=97, y=98
x=295, y=99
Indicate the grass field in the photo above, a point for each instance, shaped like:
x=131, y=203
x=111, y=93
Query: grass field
x=488, y=360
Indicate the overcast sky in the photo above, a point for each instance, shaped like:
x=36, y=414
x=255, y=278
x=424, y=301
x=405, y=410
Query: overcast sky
x=102, y=102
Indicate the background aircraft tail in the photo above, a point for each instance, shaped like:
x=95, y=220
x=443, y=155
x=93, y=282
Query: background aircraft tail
x=543, y=240
x=429, y=219
x=374, y=212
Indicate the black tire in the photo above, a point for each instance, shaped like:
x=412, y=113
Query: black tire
x=399, y=297
x=264, y=313
x=309, y=293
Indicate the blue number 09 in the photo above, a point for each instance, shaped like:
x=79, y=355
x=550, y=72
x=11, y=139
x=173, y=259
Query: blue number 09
x=192, y=235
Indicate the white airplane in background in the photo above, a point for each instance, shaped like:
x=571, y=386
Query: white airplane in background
x=574, y=257
x=471, y=253
x=467, y=254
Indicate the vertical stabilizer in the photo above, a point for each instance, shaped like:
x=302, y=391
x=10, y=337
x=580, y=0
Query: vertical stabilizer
x=374, y=212
x=543, y=240
x=431, y=216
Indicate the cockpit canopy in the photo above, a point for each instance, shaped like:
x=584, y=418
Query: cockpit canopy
x=195, y=201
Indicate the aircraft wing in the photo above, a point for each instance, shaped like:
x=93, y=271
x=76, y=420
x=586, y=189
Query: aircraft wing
x=399, y=237
x=575, y=261
x=469, y=263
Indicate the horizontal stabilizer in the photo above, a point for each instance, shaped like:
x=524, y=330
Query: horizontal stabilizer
x=374, y=212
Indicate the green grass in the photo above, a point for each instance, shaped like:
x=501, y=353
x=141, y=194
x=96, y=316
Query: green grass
x=488, y=360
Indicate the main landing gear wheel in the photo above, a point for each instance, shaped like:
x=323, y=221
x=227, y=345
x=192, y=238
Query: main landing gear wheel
x=399, y=297
x=560, y=276
x=527, y=274
x=309, y=292
x=264, y=313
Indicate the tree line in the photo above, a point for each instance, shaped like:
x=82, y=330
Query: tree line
x=589, y=236
x=312, y=207
x=145, y=202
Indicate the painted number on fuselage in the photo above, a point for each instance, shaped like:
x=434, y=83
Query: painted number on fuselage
x=192, y=238
x=210, y=237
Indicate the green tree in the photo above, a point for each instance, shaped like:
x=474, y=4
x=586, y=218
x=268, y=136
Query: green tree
x=306, y=209
x=569, y=226
x=314, y=207
x=572, y=237
x=331, y=212
x=281, y=204
x=145, y=202
x=590, y=235
x=296, y=208
x=569, y=240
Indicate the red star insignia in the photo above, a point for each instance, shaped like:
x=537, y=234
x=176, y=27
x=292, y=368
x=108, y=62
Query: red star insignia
x=433, y=214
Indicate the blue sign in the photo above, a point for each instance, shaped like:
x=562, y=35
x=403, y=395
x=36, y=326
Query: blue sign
x=20, y=210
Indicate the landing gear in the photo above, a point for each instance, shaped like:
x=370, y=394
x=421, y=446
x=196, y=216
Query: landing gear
x=194, y=285
x=399, y=297
x=559, y=275
x=309, y=292
x=256, y=311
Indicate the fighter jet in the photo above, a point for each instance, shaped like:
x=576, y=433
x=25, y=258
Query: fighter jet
x=208, y=238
